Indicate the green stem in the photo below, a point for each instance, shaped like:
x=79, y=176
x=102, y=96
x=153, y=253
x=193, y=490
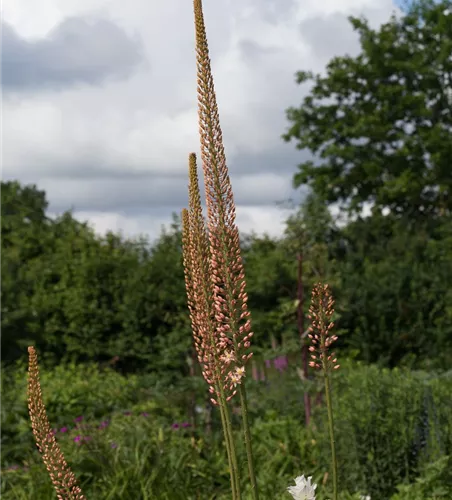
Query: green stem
x=235, y=466
x=331, y=427
x=247, y=433
x=235, y=486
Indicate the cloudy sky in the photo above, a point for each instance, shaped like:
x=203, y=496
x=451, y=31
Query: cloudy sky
x=99, y=100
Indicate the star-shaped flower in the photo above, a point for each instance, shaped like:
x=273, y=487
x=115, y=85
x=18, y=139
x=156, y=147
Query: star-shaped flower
x=303, y=489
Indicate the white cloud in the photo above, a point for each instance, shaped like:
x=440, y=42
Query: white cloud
x=109, y=149
x=260, y=220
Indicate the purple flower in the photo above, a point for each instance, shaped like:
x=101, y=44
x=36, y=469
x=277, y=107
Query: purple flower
x=114, y=445
x=145, y=414
x=186, y=424
x=281, y=363
x=77, y=439
x=104, y=424
x=175, y=426
x=78, y=419
x=64, y=429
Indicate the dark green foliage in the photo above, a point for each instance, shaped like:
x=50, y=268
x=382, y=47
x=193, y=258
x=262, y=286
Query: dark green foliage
x=395, y=296
x=385, y=134
x=435, y=483
x=72, y=293
x=390, y=277
x=377, y=418
x=77, y=295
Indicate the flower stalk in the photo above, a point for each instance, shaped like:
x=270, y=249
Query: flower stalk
x=320, y=314
x=197, y=270
x=61, y=475
x=215, y=278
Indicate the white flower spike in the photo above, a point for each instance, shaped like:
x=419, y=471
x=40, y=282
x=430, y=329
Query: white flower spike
x=303, y=490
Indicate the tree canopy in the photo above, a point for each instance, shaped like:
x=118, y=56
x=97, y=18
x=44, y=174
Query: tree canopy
x=380, y=124
x=71, y=292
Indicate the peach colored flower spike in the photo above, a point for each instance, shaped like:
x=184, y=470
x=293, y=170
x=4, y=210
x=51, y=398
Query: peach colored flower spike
x=61, y=475
x=320, y=314
x=215, y=277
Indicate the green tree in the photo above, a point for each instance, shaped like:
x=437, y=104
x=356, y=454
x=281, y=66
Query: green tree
x=271, y=285
x=73, y=293
x=25, y=238
x=311, y=231
x=394, y=293
x=380, y=124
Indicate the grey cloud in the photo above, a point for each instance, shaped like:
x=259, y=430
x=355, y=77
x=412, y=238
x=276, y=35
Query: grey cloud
x=254, y=53
x=275, y=11
x=137, y=194
x=79, y=50
x=282, y=159
x=271, y=11
x=333, y=30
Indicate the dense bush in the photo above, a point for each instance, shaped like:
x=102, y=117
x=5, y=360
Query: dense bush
x=142, y=442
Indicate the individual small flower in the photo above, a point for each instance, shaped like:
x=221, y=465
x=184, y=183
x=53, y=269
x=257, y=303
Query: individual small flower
x=303, y=490
x=228, y=357
x=145, y=414
x=77, y=439
x=236, y=375
x=186, y=424
x=64, y=429
x=114, y=445
x=175, y=426
x=78, y=419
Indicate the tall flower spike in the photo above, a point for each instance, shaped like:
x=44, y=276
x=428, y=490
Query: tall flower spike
x=320, y=314
x=199, y=286
x=196, y=254
x=233, y=326
x=227, y=273
x=61, y=475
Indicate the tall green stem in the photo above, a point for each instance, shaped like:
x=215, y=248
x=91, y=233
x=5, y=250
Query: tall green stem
x=331, y=428
x=247, y=433
x=230, y=448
